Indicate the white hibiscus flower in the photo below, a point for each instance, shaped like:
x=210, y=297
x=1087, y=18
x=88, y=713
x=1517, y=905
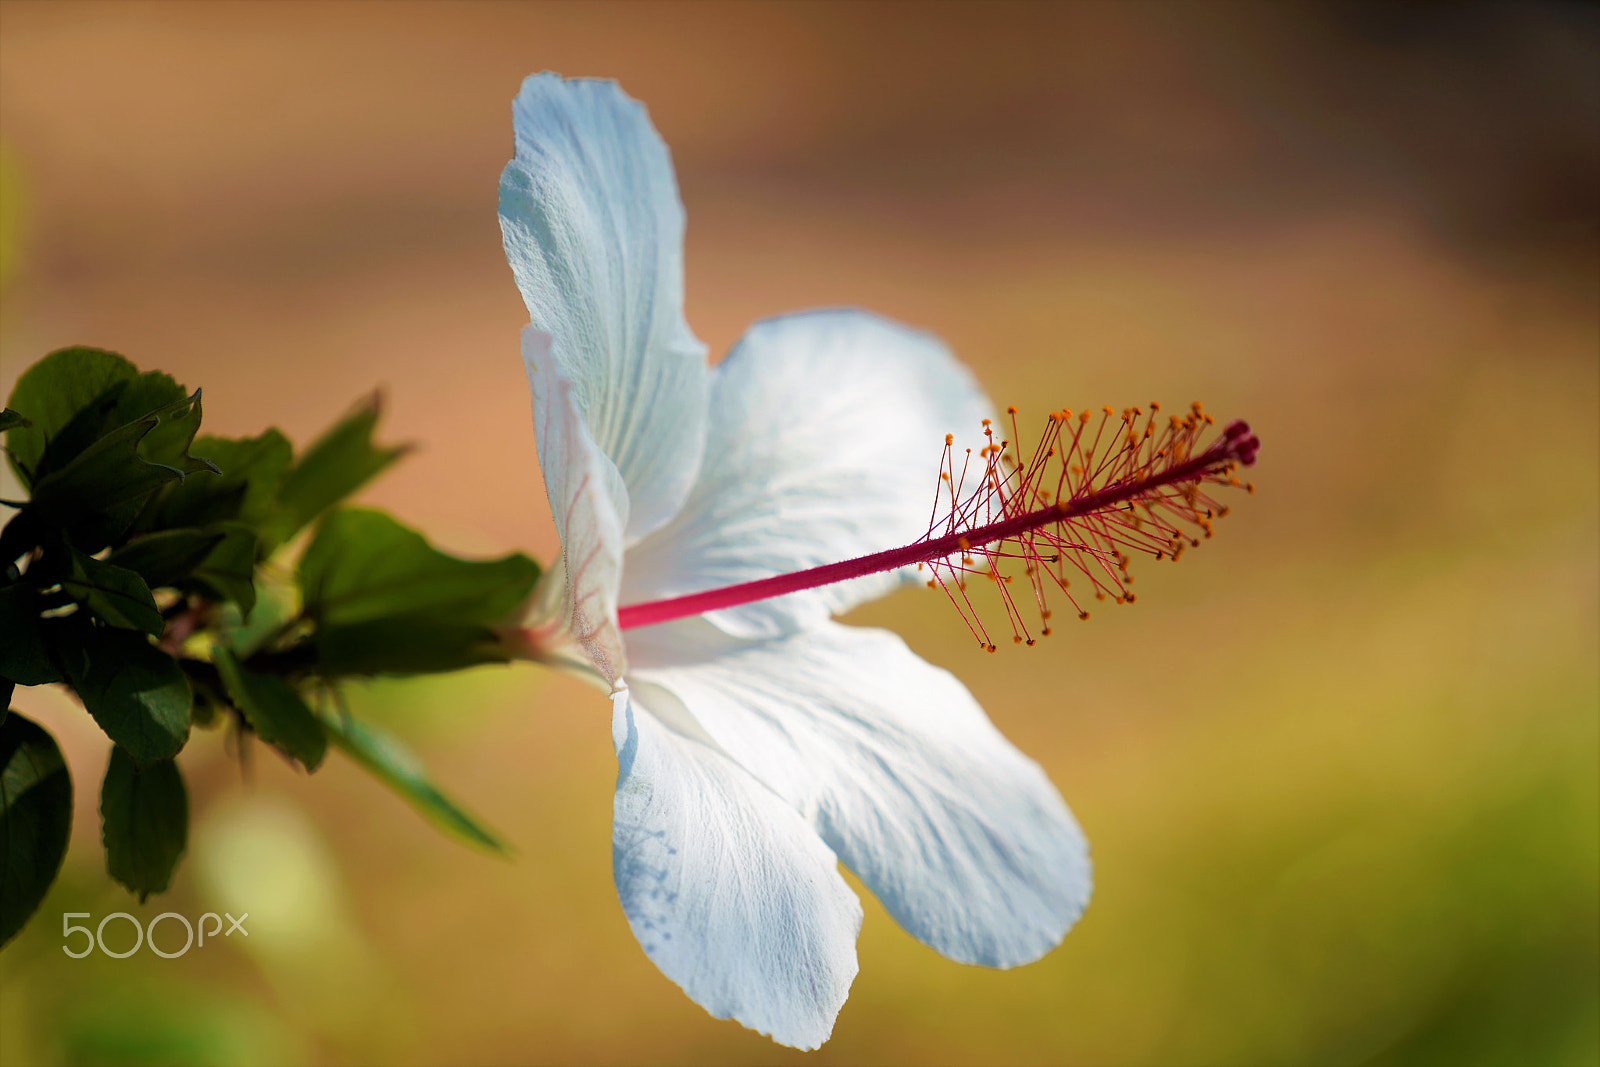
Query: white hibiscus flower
x=761, y=744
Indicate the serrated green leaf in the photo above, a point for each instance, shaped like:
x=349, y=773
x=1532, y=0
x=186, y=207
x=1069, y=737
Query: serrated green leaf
x=228, y=572
x=251, y=470
x=363, y=565
x=135, y=691
x=167, y=557
x=24, y=655
x=130, y=400
x=51, y=392
x=116, y=595
x=275, y=710
x=144, y=822
x=402, y=645
x=9, y=418
x=336, y=465
x=35, y=818
x=107, y=473
x=99, y=494
x=399, y=768
x=168, y=444
x=151, y=394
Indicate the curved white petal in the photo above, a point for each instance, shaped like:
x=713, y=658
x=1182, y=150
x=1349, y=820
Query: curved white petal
x=825, y=437
x=729, y=892
x=577, y=599
x=960, y=835
x=593, y=230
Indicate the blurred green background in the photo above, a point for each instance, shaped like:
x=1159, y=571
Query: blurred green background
x=1339, y=768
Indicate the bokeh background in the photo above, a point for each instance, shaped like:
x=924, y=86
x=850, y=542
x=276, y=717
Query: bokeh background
x=1339, y=768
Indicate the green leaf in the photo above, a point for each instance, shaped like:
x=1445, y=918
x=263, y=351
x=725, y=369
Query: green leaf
x=113, y=469
x=398, y=768
x=167, y=557
x=51, y=392
x=363, y=565
x=136, y=692
x=35, y=819
x=275, y=710
x=126, y=401
x=116, y=595
x=19, y=537
x=9, y=418
x=144, y=822
x=340, y=462
x=24, y=656
x=228, y=572
x=151, y=393
x=402, y=645
x=251, y=472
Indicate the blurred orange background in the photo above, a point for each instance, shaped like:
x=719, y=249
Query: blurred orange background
x=1339, y=769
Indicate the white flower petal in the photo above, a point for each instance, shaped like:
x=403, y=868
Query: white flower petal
x=960, y=835
x=593, y=230
x=729, y=892
x=825, y=436
x=577, y=598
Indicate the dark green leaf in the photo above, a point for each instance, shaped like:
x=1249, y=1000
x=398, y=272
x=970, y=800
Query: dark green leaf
x=35, y=818
x=144, y=822
x=20, y=536
x=168, y=444
x=405, y=645
x=398, y=768
x=136, y=692
x=90, y=423
x=24, y=656
x=51, y=392
x=9, y=418
x=127, y=401
x=167, y=557
x=275, y=710
x=107, y=473
x=116, y=595
x=340, y=462
x=228, y=572
x=363, y=565
x=252, y=471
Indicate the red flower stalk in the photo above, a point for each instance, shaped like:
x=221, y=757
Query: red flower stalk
x=1080, y=502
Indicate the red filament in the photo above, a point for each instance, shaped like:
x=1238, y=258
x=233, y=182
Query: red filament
x=1079, y=503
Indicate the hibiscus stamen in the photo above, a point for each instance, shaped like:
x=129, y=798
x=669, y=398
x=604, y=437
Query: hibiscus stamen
x=1075, y=509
